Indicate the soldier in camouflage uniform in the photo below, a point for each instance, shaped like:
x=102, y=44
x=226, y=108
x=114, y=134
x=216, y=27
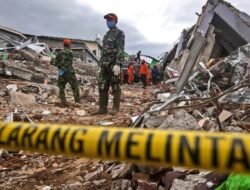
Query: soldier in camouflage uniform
x=112, y=57
x=64, y=61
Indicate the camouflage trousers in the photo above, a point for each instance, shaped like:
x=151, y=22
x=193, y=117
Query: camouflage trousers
x=71, y=79
x=107, y=79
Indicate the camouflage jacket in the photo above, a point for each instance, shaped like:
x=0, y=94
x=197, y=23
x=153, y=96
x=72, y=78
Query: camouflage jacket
x=113, y=46
x=64, y=60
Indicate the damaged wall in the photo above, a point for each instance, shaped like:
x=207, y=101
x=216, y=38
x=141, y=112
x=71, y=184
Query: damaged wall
x=223, y=29
x=231, y=30
x=9, y=33
x=78, y=47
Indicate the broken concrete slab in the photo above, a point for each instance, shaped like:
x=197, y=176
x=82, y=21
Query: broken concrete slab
x=154, y=122
x=233, y=129
x=122, y=171
x=163, y=97
x=99, y=183
x=92, y=175
x=171, y=176
x=224, y=115
x=22, y=99
x=73, y=186
x=141, y=176
x=180, y=185
x=28, y=56
x=181, y=120
x=203, y=122
x=12, y=87
x=145, y=185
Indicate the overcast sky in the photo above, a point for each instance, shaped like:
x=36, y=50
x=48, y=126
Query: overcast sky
x=150, y=26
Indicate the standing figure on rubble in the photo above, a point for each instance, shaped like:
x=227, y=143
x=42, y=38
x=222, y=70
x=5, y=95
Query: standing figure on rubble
x=155, y=75
x=144, y=73
x=130, y=73
x=111, y=60
x=64, y=62
x=138, y=57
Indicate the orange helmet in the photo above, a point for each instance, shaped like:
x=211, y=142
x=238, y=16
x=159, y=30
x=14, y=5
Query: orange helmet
x=66, y=41
x=111, y=16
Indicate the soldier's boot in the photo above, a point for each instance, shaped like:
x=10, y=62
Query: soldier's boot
x=103, y=103
x=63, y=102
x=76, y=95
x=116, y=102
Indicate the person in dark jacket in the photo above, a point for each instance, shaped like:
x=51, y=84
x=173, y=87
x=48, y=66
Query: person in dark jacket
x=155, y=75
x=138, y=57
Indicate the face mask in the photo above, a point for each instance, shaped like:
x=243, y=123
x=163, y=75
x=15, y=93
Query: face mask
x=111, y=24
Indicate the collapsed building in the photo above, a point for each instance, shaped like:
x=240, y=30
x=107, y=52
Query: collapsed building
x=210, y=59
x=222, y=27
x=8, y=35
x=220, y=30
x=86, y=50
x=29, y=57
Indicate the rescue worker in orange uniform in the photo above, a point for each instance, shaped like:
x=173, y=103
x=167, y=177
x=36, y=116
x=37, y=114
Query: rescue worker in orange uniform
x=144, y=73
x=130, y=73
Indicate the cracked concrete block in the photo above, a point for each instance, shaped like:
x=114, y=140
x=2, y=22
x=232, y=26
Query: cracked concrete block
x=181, y=120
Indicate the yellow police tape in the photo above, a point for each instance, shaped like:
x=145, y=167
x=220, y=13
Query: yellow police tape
x=215, y=151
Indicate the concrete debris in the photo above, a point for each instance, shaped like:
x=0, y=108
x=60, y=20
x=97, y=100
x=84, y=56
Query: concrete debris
x=234, y=129
x=122, y=185
x=163, y=97
x=141, y=176
x=171, y=176
x=12, y=87
x=94, y=174
x=3, y=153
x=154, y=122
x=180, y=185
x=181, y=120
x=46, y=188
x=73, y=186
x=122, y=171
x=146, y=185
x=99, y=183
x=22, y=99
x=105, y=123
x=224, y=115
x=126, y=184
x=81, y=112
x=203, y=122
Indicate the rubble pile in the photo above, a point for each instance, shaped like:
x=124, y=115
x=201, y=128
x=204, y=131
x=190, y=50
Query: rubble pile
x=40, y=103
x=45, y=73
x=37, y=171
x=40, y=171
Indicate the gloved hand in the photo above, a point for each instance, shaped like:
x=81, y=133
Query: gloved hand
x=117, y=70
x=61, y=72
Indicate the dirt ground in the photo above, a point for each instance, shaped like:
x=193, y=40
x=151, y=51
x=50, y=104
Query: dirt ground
x=25, y=170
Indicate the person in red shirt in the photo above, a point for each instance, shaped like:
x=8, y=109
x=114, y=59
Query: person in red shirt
x=144, y=73
x=130, y=73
